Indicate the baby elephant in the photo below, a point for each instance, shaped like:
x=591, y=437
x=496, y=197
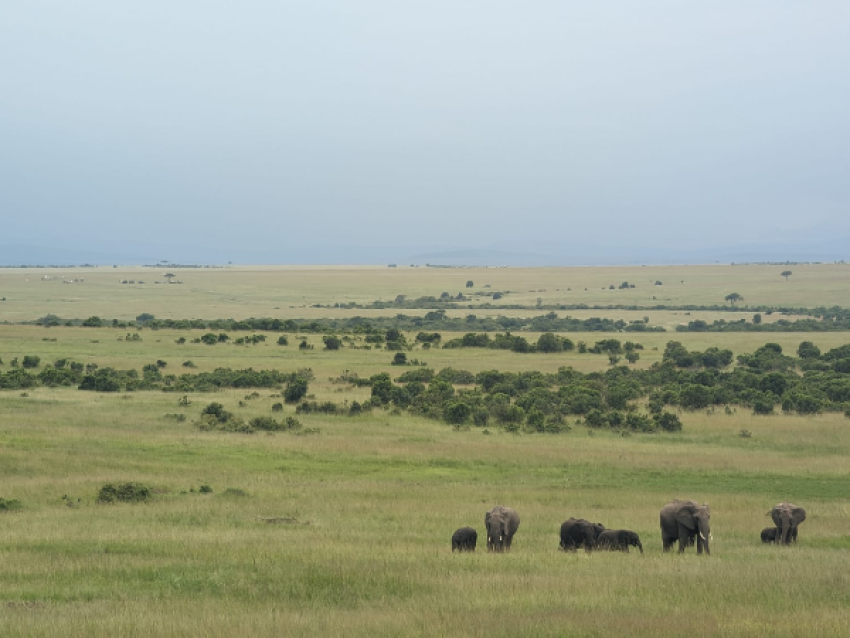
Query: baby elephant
x=464, y=540
x=618, y=540
x=772, y=535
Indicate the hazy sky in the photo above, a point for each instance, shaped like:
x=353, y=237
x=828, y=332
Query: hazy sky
x=304, y=131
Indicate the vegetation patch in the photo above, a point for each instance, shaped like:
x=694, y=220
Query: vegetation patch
x=124, y=493
x=11, y=504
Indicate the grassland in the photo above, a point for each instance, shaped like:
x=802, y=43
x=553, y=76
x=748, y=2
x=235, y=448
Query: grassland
x=346, y=532
x=288, y=292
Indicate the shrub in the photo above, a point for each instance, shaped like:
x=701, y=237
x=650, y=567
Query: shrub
x=535, y=419
x=30, y=361
x=762, y=406
x=457, y=413
x=548, y=342
x=7, y=505
x=668, y=422
x=282, y=340
x=264, y=423
x=332, y=342
x=124, y=492
x=295, y=390
x=400, y=359
x=277, y=407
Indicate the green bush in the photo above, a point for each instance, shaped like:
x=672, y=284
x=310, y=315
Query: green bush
x=7, y=505
x=30, y=361
x=124, y=492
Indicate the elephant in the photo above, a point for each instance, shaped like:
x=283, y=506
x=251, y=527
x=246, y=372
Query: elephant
x=768, y=535
x=501, y=524
x=464, y=540
x=578, y=531
x=686, y=521
x=787, y=517
x=618, y=540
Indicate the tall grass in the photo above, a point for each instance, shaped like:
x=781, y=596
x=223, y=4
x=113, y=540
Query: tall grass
x=348, y=531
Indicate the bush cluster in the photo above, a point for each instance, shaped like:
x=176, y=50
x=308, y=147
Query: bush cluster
x=123, y=492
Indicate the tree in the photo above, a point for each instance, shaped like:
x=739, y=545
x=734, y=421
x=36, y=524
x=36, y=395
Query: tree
x=786, y=274
x=295, y=390
x=549, y=342
x=808, y=350
x=400, y=359
x=733, y=297
x=469, y=284
x=332, y=342
x=169, y=276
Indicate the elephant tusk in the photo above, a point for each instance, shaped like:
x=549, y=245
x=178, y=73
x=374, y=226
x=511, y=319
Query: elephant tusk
x=710, y=536
x=702, y=536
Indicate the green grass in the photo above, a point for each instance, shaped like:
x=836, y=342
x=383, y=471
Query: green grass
x=346, y=532
x=371, y=504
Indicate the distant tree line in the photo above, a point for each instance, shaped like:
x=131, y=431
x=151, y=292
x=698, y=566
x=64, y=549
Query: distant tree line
x=815, y=320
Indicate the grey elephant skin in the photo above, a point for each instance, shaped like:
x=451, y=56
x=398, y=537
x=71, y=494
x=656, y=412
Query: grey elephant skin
x=618, y=540
x=501, y=524
x=772, y=534
x=579, y=532
x=687, y=522
x=464, y=540
x=787, y=517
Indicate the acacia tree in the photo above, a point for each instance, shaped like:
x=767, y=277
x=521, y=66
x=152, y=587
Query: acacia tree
x=733, y=297
x=786, y=274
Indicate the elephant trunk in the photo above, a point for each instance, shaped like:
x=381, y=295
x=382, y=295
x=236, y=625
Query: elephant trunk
x=705, y=537
x=786, y=531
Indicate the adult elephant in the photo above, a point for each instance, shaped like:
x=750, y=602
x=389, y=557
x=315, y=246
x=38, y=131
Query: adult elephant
x=577, y=532
x=618, y=540
x=501, y=524
x=787, y=517
x=686, y=521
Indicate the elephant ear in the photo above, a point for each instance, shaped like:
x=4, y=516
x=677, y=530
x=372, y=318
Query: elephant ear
x=774, y=514
x=798, y=515
x=685, y=516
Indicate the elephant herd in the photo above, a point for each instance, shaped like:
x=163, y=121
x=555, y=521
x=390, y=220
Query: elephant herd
x=683, y=521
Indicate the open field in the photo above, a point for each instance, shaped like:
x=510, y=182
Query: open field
x=346, y=531
x=376, y=499
x=288, y=292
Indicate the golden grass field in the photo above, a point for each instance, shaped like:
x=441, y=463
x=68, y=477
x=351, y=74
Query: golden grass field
x=346, y=532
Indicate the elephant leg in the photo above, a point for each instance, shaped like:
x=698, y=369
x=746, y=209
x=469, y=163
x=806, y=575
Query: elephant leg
x=667, y=543
x=684, y=539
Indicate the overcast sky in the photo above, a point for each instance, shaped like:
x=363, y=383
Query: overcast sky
x=328, y=131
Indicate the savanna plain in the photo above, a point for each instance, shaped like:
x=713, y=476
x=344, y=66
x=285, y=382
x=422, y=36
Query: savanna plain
x=342, y=526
